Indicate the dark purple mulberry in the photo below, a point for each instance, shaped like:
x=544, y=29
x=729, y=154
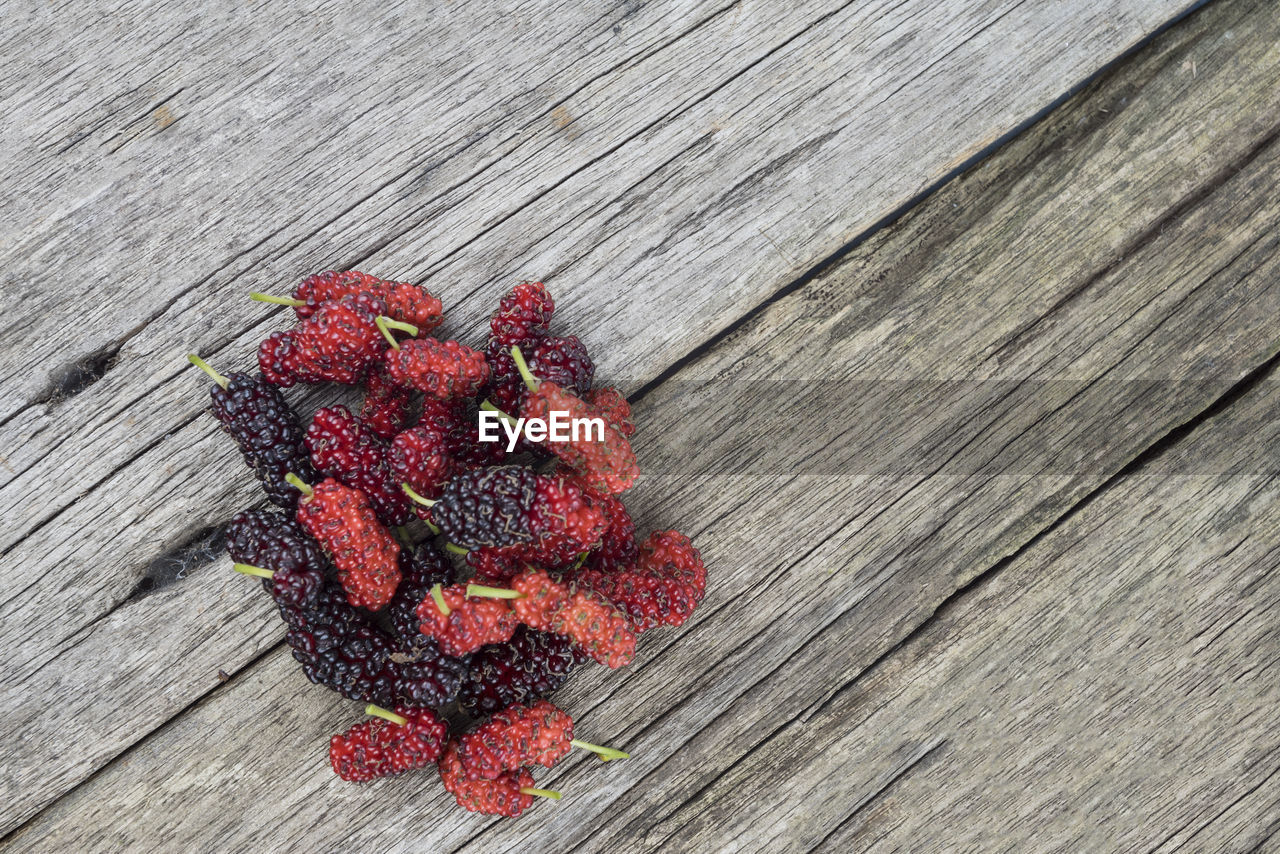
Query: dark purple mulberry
x=339, y=646
x=270, y=540
x=254, y=413
x=532, y=664
x=563, y=361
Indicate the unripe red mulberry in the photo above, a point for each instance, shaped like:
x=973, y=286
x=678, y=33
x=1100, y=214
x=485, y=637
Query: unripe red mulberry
x=365, y=553
x=390, y=743
x=442, y=369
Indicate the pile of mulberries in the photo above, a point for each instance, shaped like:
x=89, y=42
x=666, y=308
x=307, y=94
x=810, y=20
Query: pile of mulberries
x=452, y=584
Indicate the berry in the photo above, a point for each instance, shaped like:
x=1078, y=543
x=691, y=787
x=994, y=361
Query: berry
x=346, y=450
x=610, y=403
x=387, y=406
x=563, y=361
x=254, y=413
x=336, y=344
x=663, y=588
x=508, y=795
x=541, y=599
x=598, y=627
x=389, y=744
x=269, y=540
x=579, y=614
x=441, y=369
x=458, y=424
x=525, y=312
x=406, y=303
x=420, y=570
x=519, y=735
x=339, y=646
x=545, y=518
x=506, y=389
x=607, y=466
x=420, y=457
x=364, y=552
x=461, y=623
x=618, y=544
x=532, y=664
x=494, y=566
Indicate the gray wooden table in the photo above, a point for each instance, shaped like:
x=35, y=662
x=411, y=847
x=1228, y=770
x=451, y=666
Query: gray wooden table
x=951, y=329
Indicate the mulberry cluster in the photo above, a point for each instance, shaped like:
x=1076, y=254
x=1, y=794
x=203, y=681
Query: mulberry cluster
x=416, y=566
x=344, y=448
x=512, y=511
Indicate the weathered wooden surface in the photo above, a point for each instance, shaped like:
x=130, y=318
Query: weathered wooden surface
x=1128, y=237
x=442, y=175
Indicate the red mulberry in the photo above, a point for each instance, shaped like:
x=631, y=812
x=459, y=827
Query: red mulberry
x=610, y=403
x=606, y=465
x=508, y=795
x=458, y=424
x=387, y=406
x=345, y=449
x=618, y=544
x=420, y=457
x=389, y=744
x=519, y=735
x=579, y=614
x=406, y=303
x=441, y=369
x=461, y=624
x=336, y=344
x=525, y=312
x=363, y=550
x=663, y=588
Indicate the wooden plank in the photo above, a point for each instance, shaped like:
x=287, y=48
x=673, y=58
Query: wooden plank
x=537, y=208
x=480, y=163
x=492, y=201
x=1170, y=283
x=1112, y=689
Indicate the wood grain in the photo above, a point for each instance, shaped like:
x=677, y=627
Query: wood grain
x=618, y=153
x=1131, y=236
x=1112, y=689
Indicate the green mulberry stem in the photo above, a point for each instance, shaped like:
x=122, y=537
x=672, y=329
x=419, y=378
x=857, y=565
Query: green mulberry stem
x=386, y=324
x=275, y=300
x=204, y=366
x=378, y=711
x=605, y=753
x=456, y=549
x=249, y=569
x=541, y=793
x=493, y=592
x=299, y=484
x=416, y=498
x=437, y=594
x=523, y=367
